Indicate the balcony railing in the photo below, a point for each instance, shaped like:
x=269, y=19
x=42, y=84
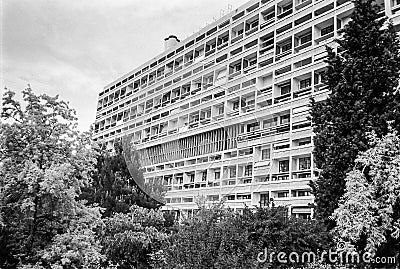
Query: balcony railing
x=286, y=13
x=283, y=128
x=234, y=40
x=283, y=98
x=302, y=92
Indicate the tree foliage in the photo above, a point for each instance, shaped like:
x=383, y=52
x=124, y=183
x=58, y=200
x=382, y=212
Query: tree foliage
x=129, y=239
x=44, y=164
x=112, y=186
x=217, y=237
x=362, y=77
x=369, y=212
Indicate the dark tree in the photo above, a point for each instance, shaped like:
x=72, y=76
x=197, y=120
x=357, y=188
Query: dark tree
x=363, y=79
x=113, y=188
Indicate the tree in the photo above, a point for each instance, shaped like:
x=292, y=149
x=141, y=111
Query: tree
x=217, y=237
x=272, y=229
x=112, y=186
x=369, y=212
x=212, y=238
x=44, y=162
x=129, y=239
x=362, y=77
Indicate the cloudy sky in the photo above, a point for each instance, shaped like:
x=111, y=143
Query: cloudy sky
x=75, y=47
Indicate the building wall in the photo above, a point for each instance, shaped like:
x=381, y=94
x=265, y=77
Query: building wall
x=224, y=114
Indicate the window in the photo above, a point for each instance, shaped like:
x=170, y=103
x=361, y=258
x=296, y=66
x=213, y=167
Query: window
x=285, y=119
x=284, y=166
x=191, y=177
x=265, y=154
x=221, y=110
x=264, y=199
x=253, y=127
x=248, y=170
x=237, y=67
x=305, y=142
x=231, y=197
x=232, y=172
x=217, y=174
x=270, y=123
x=305, y=83
x=303, y=193
x=204, y=176
x=286, y=47
x=304, y=163
x=285, y=89
x=282, y=194
x=327, y=30
x=244, y=197
x=269, y=16
x=236, y=105
x=305, y=38
x=318, y=78
x=287, y=7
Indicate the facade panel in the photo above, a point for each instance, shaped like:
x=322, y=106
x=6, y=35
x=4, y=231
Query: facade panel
x=224, y=113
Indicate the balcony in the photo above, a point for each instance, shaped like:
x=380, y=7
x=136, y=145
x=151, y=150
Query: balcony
x=249, y=108
x=265, y=91
x=301, y=174
x=302, y=92
x=267, y=45
x=283, y=98
x=283, y=54
x=326, y=33
x=233, y=113
x=210, y=52
x=268, y=19
x=223, y=45
x=302, y=3
x=218, y=117
x=280, y=176
x=285, y=13
x=234, y=40
x=233, y=75
x=251, y=30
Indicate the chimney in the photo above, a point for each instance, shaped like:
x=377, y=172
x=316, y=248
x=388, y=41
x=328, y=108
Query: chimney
x=170, y=42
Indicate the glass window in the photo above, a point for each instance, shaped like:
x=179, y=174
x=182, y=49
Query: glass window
x=265, y=154
x=248, y=170
x=285, y=119
x=270, y=122
x=304, y=163
x=217, y=174
x=253, y=127
x=282, y=194
x=232, y=172
x=204, y=176
x=284, y=166
x=286, y=47
x=285, y=89
x=303, y=193
x=287, y=7
x=305, y=38
x=327, y=30
x=305, y=83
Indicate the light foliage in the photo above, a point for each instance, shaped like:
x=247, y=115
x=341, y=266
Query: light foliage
x=370, y=208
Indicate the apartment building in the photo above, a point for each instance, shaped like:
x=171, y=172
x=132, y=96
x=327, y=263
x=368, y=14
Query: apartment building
x=224, y=113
